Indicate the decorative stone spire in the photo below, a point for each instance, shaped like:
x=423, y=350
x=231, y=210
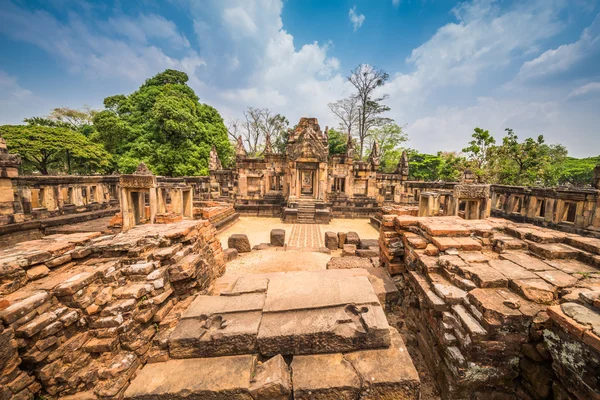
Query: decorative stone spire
x=240, y=151
x=268, y=146
x=326, y=132
x=350, y=147
x=402, y=167
x=214, y=164
x=142, y=169
x=374, y=157
x=596, y=177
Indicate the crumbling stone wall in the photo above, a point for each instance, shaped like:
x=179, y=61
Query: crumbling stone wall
x=496, y=308
x=81, y=312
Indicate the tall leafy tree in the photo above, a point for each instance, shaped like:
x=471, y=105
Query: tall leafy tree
x=44, y=149
x=366, y=80
x=337, y=142
x=390, y=138
x=164, y=125
x=480, y=153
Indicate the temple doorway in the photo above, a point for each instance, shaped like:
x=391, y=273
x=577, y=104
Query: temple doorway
x=307, y=183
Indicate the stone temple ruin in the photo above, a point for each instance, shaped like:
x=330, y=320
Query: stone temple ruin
x=119, y=287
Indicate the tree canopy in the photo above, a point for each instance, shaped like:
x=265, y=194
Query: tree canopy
x=55, y=150
x=164, y=125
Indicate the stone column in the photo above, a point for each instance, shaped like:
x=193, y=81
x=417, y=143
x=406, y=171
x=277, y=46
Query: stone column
x=153, y=204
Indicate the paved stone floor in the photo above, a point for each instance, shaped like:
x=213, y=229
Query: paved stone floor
x=306, y=236
x=258, y=229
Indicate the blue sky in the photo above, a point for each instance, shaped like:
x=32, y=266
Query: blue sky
x=533, y=65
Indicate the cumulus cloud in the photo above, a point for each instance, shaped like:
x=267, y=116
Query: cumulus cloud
x=565, y=56
x=356, y=19
x=83, y=47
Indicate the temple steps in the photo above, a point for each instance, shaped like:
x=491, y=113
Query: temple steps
x=306, y=211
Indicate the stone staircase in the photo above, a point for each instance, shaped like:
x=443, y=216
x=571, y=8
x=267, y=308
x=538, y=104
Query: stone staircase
x=306, y=211
x=250, y=338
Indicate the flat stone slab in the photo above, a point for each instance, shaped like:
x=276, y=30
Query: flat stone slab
x=247, y=284
x=323, y=330
x=526, y=261
x=386, y=373
x=316, y=290
x=348, y=262
x=217, y=335
x=324, y=377
x=218, y=378
x=204, y=306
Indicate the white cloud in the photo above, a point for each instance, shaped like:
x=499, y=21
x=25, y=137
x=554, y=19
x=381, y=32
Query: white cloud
x=396, y=3
x=356, y=19
x=16, y=99
x=86, y=50
x=565, y=56
x=585, y=89
x=239, y=21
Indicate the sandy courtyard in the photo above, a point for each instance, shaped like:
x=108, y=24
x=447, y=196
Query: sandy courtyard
x=276, y=260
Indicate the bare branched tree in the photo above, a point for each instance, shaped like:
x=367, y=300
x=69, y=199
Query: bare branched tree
x=259, y=123
x=347, y=112
x=366, y=80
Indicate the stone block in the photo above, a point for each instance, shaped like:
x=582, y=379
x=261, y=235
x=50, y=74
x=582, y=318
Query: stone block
x=218, y=378
x=367, y=243
x=230, y=254
x=278, y=237
x=348, y=262
x=349, y=250
x=341, y=239
x=352, y=238
x=386, y=373
x=239, y=242
x=215, y=335
x=331, y=240
x=324, y=377
x=271, y=380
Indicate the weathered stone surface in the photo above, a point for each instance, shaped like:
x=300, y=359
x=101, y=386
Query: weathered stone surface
x=349, y=250
x=386, y=373
x=348, y=262
x=526, y=261
x=536, y=290
x=239, y=242
x=271, y=380
x=352, y=238
x=218, y=378
x=217, y=335
x=317, y=290
x=230, y=254
x=323, y=330
x=331, y=240
x=204, y=306
x=324, y=377
x=278, y=237
x=247, y=284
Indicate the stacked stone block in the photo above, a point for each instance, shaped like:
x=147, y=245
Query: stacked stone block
x=90, y=319
x=482, y=301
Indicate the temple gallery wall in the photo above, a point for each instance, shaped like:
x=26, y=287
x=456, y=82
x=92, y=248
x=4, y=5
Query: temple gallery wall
x=118, y=287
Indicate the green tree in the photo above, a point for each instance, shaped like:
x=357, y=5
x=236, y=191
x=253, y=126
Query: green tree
x=526, y=162
x=44, y=149
x=164, y=125
x=424, y=167
x=577, y=171
x=480, y=152
x=337, y=142
x=452, y=167
x=390, y=137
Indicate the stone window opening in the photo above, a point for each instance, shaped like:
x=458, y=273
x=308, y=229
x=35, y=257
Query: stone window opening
x=92, y=194
x=339, y=185
x=570, y=212
x=541, y=208
x=518, y=205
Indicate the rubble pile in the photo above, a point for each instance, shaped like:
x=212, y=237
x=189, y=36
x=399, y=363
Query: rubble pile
x=82, y=312
x=499, y=307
